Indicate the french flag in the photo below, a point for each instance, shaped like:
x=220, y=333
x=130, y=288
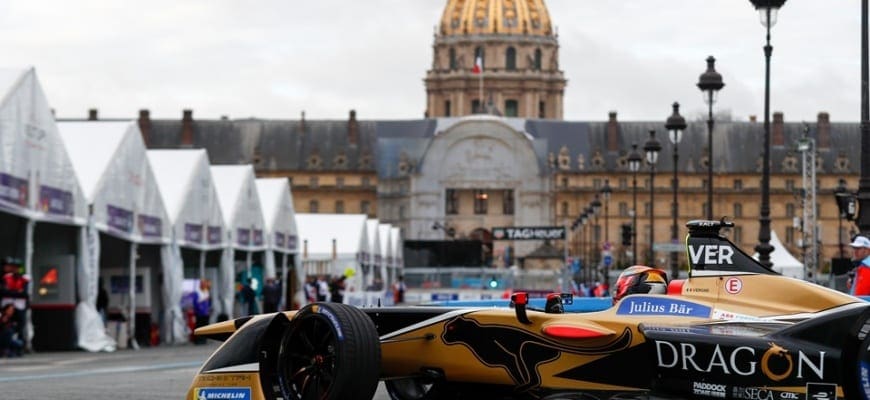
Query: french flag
x=478, y=66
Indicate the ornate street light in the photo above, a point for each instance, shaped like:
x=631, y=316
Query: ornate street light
x=634, y=160
x=863, y=220
x=584, y=218
x=605, y=193
x=768, y=10
x=846, y=208
x=710, y=82
x=595, y=205
x=675, y=125
x=652, y=149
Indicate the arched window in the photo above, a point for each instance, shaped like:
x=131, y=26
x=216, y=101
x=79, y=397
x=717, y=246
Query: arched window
x=510, y=62
x=538, y=59
x=452, y=55
x=511, y=108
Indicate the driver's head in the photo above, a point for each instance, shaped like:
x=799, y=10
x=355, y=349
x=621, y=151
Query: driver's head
x=640, y=279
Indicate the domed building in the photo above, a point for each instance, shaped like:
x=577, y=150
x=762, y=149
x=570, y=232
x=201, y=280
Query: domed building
x=518, y=50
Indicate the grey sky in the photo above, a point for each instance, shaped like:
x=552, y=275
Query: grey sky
x=275, y=58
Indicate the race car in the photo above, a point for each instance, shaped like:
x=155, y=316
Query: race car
x=734, y=329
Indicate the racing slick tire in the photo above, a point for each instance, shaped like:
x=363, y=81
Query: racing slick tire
x=329, y=351
x=856, y=359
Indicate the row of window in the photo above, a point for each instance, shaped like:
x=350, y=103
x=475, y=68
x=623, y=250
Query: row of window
x=481, y=202
x=510, y=58
x=364, y=207
x=737, y=209
x=314, y=181
x=511, y=109
x=624, y=184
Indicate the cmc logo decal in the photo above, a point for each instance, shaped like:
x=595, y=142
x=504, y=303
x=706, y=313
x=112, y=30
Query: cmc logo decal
x=733, y=285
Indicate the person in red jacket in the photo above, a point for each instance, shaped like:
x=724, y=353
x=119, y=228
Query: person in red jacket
x=861, y=256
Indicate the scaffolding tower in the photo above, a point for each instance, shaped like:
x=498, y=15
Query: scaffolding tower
x=810, y=229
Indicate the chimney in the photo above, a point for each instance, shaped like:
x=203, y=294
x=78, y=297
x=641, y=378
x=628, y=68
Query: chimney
x=92, y=114
x=753, y=118
x=612, y=132
x=352, y=129
x=302, y=123
x=145, y=126
x=187, y=128
x=777, y=132
x=823, y=125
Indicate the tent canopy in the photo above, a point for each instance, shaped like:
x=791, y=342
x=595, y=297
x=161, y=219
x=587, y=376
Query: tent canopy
x=36, y=174
x=110, y=164
x=397, y=245
x=317, y=231
x=783, y=261
x=278, y=214
x=188, y=191
x=240, y=205
x=386, y=244
x=374, y=252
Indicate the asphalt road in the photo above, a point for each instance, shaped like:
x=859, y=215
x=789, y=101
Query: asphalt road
x=151, y=373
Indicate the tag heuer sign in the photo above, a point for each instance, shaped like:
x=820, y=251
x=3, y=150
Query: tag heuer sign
x=529, y=233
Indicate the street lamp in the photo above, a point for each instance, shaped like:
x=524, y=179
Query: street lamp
x=596, y=209
x=605, y=193
x=841, y=194
x=584, y=217
x=710, y=82
x=652, y=149
x=675, y=125
x=768, y=10
x=634, y=159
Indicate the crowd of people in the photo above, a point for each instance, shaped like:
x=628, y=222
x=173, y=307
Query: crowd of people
x=15, y=301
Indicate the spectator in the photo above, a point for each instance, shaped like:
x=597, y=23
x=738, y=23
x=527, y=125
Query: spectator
x=399, y=290
x=102, y=300
x=249, y=297
x=202, y=306
x=336, y=289
x=322, y=288
x=860, y=285
x=16, y=291
x=310, y=290
x=10, y=341
x=271, y=295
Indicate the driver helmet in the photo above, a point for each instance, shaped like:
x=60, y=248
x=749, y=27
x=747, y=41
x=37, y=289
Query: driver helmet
x=640, y=279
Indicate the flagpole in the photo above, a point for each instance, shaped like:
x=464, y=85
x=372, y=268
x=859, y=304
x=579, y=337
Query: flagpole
x=482, y=101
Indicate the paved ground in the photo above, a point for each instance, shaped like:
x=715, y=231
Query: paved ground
x=151, y=373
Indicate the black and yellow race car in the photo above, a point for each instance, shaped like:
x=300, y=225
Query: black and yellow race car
x=733, y=330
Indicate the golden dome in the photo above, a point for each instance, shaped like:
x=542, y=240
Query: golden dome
x=487, y=17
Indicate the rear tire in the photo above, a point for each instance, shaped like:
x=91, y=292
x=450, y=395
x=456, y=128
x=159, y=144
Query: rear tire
x=329, y=351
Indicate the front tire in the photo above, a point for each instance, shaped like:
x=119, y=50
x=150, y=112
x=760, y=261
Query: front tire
x=329, y=351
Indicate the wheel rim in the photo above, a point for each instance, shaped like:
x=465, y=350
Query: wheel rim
x=307, y=361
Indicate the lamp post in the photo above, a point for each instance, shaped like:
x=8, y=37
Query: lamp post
x=584, y=217
x=605, y=193
x=634, y=159
x=768, y=10
x=710, y=82
x=675, y=125
x=841, y=195
x=596, y=209
x=863, y=220
x=652, y=149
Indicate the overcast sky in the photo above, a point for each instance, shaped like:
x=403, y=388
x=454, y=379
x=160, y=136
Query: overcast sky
x=275, y=58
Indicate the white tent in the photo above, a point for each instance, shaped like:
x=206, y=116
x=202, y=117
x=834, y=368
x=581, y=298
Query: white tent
x=384, y=231
x=397, y=246
x=373, y=260
x=243, y=221
x=112, y=168
x=36, y=175
x=281, y=233
x=187, y=190
x=783, y=261
x=337, y=240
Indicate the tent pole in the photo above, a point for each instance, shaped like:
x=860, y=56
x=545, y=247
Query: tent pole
x=28, y=270
x=131, y=318
x=202, y=264
x=284, y=280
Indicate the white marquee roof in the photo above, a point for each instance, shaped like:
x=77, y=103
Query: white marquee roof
x=36, y=174
x=316, y=231
x=187, y=189
x=110, y=164
x=240, y=205
x=279, y=215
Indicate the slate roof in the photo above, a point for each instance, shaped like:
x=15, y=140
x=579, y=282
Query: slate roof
x=289, y=144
